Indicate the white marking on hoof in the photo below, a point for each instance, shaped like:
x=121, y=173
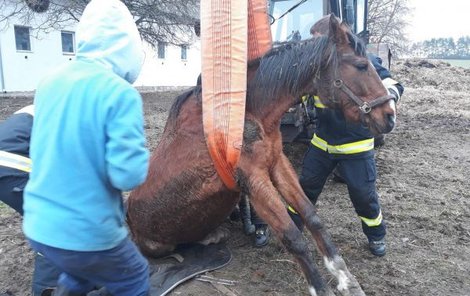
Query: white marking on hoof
x=336, y=268
x=312, y=291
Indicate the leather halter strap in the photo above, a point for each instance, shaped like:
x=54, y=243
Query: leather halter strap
x=364, y=106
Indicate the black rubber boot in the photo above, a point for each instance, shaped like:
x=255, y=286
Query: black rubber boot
x=262, y=234
x=378, y=247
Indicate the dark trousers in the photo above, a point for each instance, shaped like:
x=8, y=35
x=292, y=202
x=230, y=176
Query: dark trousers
x=360, y=176
x=45, y=275
x=11, y=191
x=122, y=269
x=255, y=219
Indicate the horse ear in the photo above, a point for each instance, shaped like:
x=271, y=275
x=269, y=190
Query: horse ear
x=335, y=32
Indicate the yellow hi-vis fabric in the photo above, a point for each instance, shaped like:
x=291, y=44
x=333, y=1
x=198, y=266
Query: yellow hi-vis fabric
x=15, y=161
x=372, y=222
x=224, y=47
x=292, y=210
x=349, y=148
x=318, y=103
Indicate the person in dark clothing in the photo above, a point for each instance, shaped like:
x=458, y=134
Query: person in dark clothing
x=350, y=148
x=252, y=224
x=15, y=166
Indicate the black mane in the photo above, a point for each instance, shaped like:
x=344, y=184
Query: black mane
x=284, y=70
x=287, y=68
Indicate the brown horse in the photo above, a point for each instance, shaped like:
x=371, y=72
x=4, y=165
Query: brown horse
x=184, y=200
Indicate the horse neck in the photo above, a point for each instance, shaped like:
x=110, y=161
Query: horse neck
x=283, y=75
x=270, y=112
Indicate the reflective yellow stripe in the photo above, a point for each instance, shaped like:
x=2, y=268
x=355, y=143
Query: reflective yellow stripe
x=15, y=161
x=319, y=142
x=304, y=98
x=318, y=103
x=291, y=209
x=372, y=222
x=349, y=148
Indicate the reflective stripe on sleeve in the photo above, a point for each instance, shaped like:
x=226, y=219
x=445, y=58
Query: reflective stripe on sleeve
x=390, y=83
x=318, y=103
x=15, y=161
x=349, y=148
x=28, y=109
x=372, y=222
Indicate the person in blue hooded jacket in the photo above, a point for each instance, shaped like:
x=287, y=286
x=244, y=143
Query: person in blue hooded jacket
x=87, y=147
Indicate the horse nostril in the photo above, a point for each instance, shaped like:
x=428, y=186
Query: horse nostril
x=391, y=119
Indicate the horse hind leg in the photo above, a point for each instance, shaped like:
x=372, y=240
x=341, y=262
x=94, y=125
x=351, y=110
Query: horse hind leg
x=269, y=206
x=286, y=181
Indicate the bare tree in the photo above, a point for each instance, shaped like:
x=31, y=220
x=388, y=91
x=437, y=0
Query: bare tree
x=169, y=21
x=387, y=23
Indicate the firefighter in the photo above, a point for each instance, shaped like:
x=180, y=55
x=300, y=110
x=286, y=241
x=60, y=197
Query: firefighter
x=15, y=166
x=355, y=164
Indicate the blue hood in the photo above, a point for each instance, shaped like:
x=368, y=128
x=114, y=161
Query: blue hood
x=107, y=34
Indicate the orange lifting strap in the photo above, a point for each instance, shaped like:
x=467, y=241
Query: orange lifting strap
x=226, y=27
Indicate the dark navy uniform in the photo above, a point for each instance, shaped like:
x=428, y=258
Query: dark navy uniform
x=350, y=147
x=15, y=166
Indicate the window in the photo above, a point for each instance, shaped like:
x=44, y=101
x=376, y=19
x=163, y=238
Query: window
x=68, y=42
x=22, y=38
x=161, y=50
x=184, y=52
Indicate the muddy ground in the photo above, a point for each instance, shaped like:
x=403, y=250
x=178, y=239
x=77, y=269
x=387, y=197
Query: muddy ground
x=424, y=189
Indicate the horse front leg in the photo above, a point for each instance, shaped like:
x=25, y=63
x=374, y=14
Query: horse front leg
x=286, y=181
x=269, y=206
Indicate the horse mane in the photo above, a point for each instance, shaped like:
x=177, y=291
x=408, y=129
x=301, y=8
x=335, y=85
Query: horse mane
x=357, y=44
x=287, y=68
x=283, y=70
x=180, y=100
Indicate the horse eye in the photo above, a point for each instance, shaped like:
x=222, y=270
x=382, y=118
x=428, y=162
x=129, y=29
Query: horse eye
x=362, y=67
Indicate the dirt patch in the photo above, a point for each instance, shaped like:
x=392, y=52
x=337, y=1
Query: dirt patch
x=424, y=190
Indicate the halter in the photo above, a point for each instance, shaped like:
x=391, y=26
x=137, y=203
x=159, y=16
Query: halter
x=364, y=106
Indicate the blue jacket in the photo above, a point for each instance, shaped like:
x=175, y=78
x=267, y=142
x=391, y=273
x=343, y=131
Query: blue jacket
x=353, y=139
x=88, y=143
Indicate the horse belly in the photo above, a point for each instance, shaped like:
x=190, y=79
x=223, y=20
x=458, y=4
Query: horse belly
x=186, y=208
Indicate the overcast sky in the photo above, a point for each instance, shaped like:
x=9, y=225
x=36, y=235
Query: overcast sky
x=435, y=19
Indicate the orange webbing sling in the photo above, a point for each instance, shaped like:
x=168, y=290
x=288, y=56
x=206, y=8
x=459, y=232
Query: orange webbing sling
x=225, y=50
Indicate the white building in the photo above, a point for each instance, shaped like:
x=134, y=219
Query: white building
x=26, y=55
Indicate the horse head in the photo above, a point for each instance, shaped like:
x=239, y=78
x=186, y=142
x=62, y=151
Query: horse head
x=38, y=5
x=350, y=82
